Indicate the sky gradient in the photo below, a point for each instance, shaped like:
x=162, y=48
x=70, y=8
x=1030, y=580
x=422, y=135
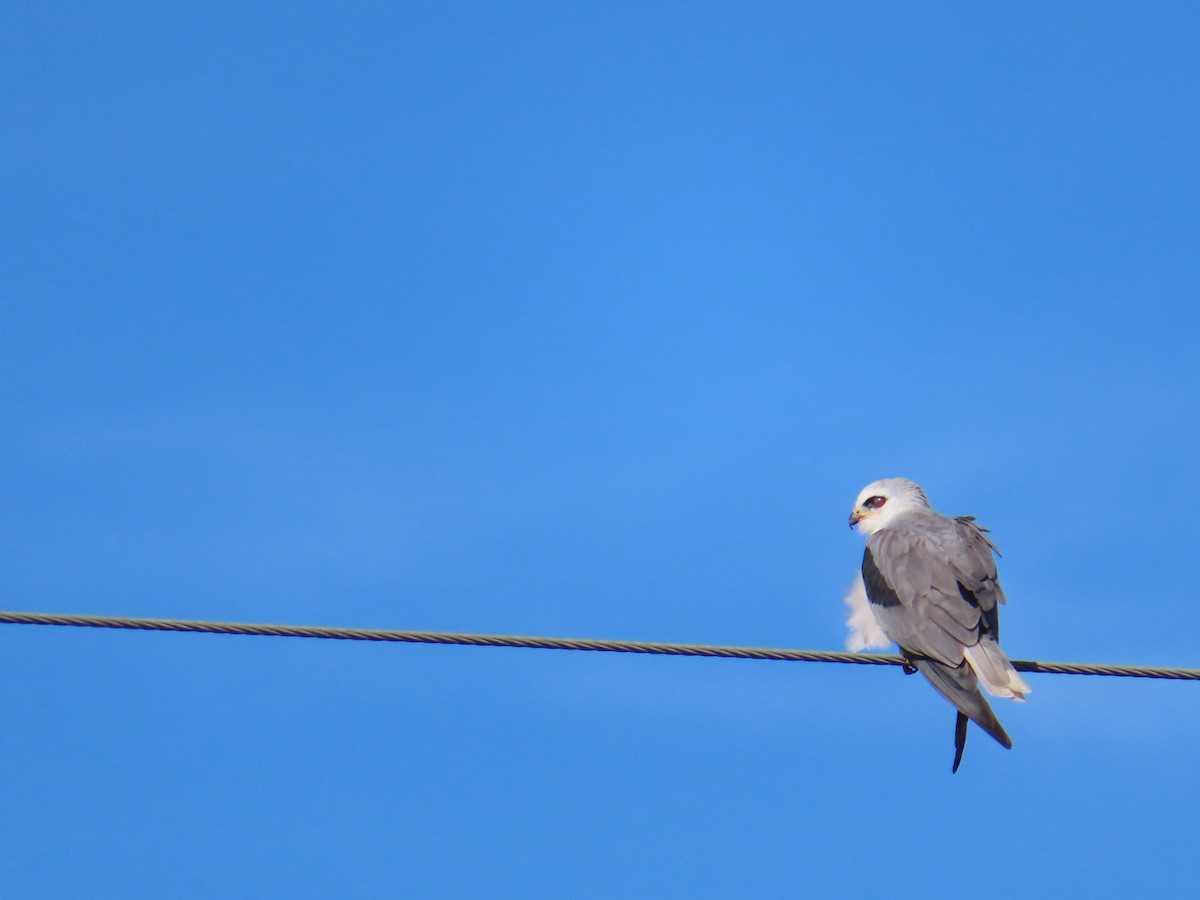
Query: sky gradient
x=589, y=320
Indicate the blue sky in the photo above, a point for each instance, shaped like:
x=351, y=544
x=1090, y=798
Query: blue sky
x=589, y=320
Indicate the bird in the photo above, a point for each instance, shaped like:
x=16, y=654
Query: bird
x=931, y=587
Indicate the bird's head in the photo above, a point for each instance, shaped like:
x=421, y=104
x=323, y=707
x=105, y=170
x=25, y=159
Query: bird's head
x=881, y=501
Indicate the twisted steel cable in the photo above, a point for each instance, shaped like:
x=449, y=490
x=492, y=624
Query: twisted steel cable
x=552, y=643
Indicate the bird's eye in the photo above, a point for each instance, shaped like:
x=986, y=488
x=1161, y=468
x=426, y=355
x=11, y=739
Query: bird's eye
x=875, y=502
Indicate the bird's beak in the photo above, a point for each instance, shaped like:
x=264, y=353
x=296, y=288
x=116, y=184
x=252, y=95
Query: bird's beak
x=854, y=517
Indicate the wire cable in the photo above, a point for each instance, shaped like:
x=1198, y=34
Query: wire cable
x=552, y=643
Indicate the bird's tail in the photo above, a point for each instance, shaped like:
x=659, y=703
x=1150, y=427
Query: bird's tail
x=959, y=685
x=995, y=672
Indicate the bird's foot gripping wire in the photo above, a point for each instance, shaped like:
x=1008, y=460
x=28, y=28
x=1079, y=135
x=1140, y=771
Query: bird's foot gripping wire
x=908, y=666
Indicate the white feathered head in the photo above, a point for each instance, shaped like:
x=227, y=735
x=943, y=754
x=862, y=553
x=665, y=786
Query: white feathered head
x=881, y=501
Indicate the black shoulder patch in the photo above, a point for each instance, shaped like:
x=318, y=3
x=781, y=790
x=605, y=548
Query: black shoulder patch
x=879, y=591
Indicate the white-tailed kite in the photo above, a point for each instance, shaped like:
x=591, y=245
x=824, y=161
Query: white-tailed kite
x=930, y=582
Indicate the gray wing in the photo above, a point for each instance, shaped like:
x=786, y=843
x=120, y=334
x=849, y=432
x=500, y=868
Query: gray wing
x=974, y=563
x=959, y=685
x=932, y=586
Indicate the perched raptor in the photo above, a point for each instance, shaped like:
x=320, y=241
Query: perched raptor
x=931, y=585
